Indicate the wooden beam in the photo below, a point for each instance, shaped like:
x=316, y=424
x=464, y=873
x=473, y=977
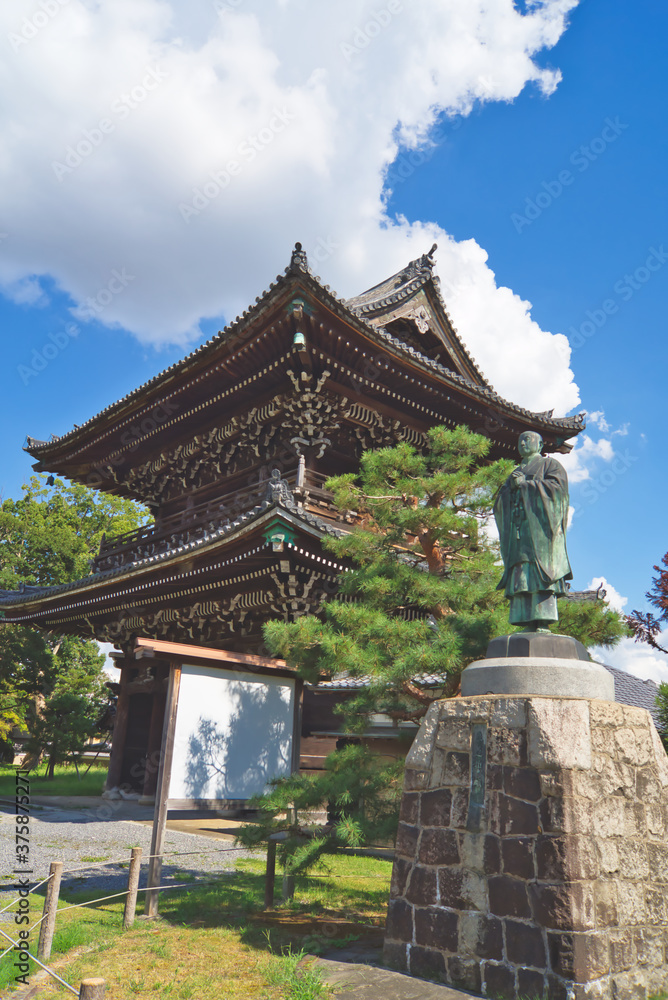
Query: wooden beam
x=162, y=790
x=183, y=653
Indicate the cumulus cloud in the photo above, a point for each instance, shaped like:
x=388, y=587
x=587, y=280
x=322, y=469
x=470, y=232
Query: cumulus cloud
x=597, y=417
x=585, y=455
x=612, y=595
x=637, y=659
x=596, y=459
x=191, y=143
x=634, y=657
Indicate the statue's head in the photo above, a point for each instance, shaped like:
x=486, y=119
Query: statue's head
x=530, y=443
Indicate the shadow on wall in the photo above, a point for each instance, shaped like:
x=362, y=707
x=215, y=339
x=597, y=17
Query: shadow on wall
x=237, y=760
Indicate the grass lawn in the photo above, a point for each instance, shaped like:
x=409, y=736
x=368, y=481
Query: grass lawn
x=65, y=781
x=213, y=941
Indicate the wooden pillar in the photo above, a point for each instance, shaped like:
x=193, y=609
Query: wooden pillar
x=162, y=790
x=154, y=744
x=297, y=724
x=120, y=730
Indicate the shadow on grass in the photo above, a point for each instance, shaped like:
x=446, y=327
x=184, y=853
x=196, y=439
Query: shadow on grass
x=235, y=900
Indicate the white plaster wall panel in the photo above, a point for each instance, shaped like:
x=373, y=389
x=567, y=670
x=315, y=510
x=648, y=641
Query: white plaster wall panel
x=233, y=733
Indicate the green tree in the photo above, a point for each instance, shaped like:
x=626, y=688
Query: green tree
x=419, y=600
x=54, y=686
x=72, y=710
x=51, y=534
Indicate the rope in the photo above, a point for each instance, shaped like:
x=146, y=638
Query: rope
x=147, y=888
x=55, y=975
x=31, y=890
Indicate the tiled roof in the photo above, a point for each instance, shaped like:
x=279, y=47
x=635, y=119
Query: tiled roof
x=401, y=287
x=13, y=597
x=630, y=690
x=352, y=309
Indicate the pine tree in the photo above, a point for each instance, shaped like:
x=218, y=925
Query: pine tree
x=418, y=603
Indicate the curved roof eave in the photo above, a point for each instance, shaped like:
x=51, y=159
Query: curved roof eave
x=293, y=514
x=347, y=309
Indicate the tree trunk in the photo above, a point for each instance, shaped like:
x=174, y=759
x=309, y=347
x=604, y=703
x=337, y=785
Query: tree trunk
x=52, y=766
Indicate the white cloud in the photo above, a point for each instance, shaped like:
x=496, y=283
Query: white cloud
x=118, y=112
x=26, y=292
x=634, y=657
x=612, y=595
x=589, y=452
x=597, y=417
x=637, y=659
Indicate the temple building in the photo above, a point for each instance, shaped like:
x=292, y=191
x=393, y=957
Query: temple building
x=230, y=449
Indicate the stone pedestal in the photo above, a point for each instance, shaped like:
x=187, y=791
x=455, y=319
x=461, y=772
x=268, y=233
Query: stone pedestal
x=538, y=663
x=532, y=852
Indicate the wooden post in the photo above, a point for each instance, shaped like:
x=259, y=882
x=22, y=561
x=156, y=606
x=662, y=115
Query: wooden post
x=49, y=915
x=270, y=875
x=162, y=790
x=288, y=888
x=154, y=743
x=92, y=989
x=120, y=730
x=133, y=884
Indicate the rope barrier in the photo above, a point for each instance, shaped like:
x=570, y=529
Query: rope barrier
x=31, y=890
x=145, y=857
x=55, y=975
x=147, y=888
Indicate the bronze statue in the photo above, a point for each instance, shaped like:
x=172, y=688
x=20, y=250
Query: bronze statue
x=531, y=512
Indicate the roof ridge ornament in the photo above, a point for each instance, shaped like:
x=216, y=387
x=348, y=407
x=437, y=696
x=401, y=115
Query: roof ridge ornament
x=421, y=267
x=278, y=490
x=299, y=260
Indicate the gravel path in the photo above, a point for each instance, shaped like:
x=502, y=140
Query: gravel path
x=79, y=840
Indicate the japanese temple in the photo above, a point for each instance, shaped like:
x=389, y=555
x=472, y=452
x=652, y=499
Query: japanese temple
x=230, y=449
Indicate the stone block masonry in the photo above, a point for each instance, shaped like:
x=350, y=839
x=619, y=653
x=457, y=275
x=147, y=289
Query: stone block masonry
x=532, y=851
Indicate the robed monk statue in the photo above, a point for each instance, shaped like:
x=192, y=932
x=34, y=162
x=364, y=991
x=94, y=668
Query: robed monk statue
x=531, y=512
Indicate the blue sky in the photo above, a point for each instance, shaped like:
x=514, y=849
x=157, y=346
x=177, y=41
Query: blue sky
x=529, y=142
